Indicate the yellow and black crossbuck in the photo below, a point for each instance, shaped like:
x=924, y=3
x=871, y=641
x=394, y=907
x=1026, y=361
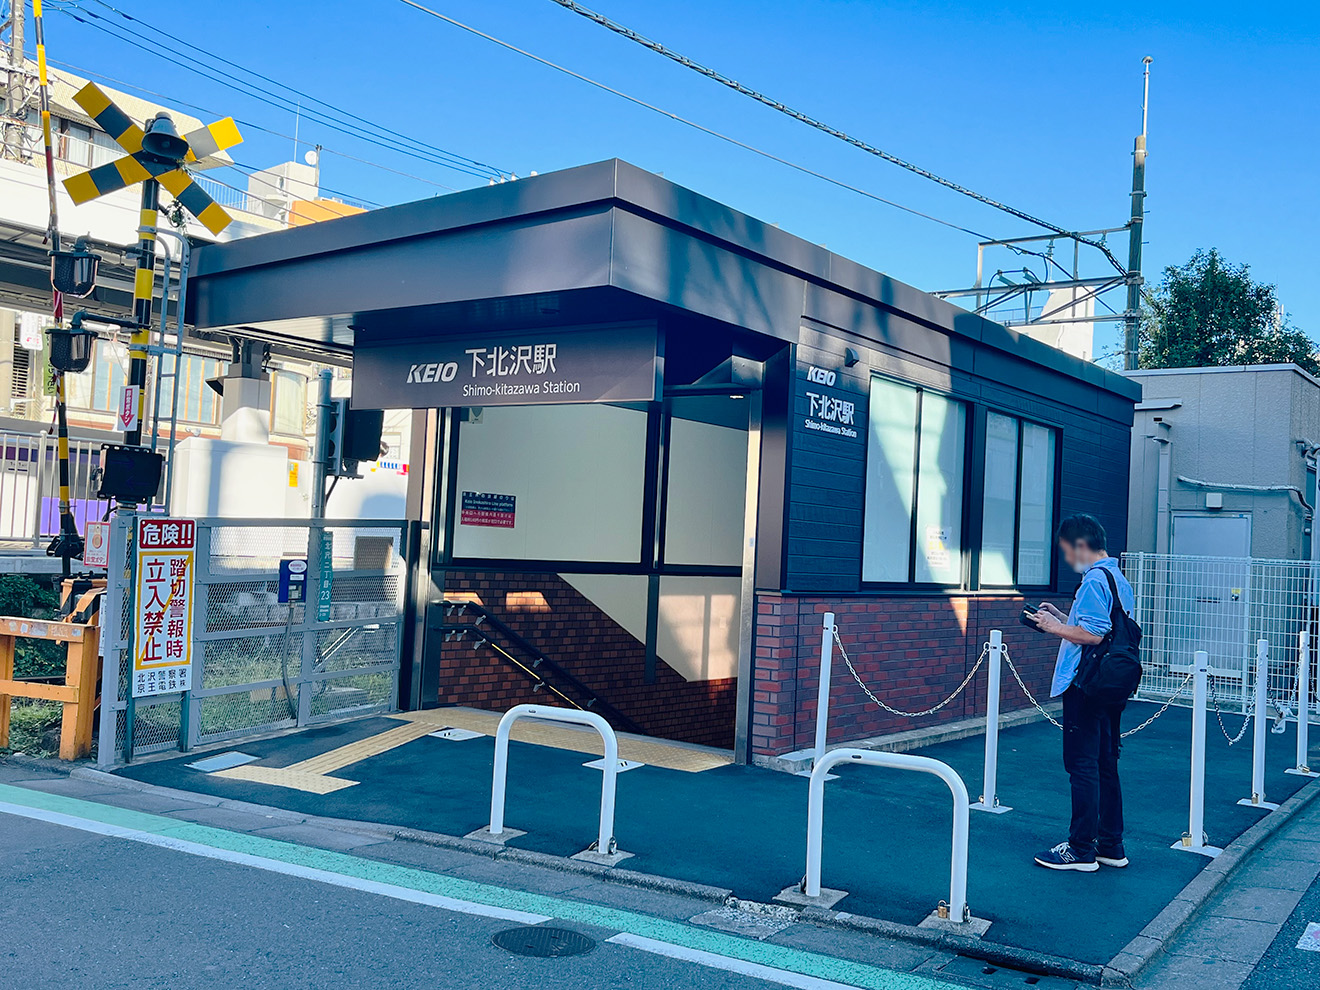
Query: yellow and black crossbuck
x=137, y=165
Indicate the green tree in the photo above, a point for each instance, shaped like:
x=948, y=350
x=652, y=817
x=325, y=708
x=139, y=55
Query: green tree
x=1211, y=312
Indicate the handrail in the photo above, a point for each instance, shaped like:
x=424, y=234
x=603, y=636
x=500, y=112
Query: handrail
x=604, y=844
x=592, y=701
x=957, y=905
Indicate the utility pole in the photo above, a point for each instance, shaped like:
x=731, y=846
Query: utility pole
x=15, y=85
x=1132, y=314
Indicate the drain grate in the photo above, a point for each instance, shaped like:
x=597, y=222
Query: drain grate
x=544, y=943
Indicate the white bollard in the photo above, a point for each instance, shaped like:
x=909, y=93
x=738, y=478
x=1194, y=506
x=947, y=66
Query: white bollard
x=994, y=660
x=1257, y=799
x=605, y=833
x=1303, y=768
x=823, y=698
x=957, y=903
x=1194, y=840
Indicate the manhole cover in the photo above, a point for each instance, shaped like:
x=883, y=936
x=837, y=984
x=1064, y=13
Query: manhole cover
x=543, y=942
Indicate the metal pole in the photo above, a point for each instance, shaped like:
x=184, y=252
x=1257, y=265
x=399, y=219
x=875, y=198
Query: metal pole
x=15, y=91
x=1132, y=314
x=1303, y=768
x=823, y=696
x=144, y=290
x=989, y=800
x=320, y=466
x=1261, y=719
x=1194, y=839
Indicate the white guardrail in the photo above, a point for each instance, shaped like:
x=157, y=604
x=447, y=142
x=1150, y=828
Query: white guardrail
x=957, y=904
x=604, y=844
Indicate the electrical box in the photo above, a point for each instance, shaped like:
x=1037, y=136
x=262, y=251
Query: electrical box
x=1214, y=500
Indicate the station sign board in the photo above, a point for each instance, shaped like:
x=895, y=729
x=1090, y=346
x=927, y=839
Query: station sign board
x=497, y=368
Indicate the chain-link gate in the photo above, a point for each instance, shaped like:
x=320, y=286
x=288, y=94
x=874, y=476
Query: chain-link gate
x=259, y=665
x=1222, y=605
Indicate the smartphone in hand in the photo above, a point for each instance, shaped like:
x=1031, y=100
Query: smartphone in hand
x=1026, y=620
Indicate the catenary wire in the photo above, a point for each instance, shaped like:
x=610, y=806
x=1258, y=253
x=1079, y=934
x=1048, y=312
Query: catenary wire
x=684, y=120
x=1016, y=249
x=388, y=132
x=270, y=99
x=819, y=125
x=95, y=74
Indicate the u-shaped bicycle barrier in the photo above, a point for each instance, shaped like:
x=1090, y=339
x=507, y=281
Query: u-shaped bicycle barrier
x=604, y=844
x=957, y=903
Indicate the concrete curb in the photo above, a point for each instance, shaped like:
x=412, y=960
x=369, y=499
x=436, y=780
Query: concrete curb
x=1149, y=944
x=1139, y=953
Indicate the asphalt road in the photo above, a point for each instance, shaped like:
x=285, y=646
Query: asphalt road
x=80, y=909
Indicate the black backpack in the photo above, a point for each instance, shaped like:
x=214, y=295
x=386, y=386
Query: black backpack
x=1111, y=669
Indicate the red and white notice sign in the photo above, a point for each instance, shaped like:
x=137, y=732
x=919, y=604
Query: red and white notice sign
x=162, y=640
x=126, y=418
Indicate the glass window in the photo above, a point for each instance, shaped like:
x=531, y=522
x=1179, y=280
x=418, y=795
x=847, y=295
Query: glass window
x=289, y=403
x=999, y=525
x=1018, y=523
x=1036, y=524
x=891, y=450
x=551, y=483
x=940, y=490
x=915, y=451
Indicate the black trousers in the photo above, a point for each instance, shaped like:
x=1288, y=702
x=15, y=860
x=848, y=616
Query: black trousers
x=1090, y=755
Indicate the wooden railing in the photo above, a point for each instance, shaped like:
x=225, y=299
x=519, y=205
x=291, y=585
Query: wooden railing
x=77, y=693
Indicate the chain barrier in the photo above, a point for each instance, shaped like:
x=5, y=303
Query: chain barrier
x=985, y=652
x=1049, y=716
x=1012, y=668
x=1163, y=708
x=1246, y=719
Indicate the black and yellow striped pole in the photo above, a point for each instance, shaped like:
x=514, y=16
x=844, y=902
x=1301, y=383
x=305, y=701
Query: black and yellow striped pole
x=144, y=291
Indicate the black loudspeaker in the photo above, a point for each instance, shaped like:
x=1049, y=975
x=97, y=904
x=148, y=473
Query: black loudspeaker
x=129, y=474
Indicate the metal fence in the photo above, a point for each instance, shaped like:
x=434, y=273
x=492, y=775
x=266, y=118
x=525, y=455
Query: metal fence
x=1222, y=605
x=260, y=666
x=30, y=487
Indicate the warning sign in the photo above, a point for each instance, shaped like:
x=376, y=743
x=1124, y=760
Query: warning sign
x=162, y=640
x=485, y=509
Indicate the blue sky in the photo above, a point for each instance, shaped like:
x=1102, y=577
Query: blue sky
x=1035, y=104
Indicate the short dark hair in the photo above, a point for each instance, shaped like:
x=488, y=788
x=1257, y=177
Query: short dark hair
x=1082, y=527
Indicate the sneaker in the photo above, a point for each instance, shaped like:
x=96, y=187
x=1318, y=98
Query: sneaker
x=1111, y=856
x=1064, y=857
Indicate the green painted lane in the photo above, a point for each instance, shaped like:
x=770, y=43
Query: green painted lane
x=173, y=833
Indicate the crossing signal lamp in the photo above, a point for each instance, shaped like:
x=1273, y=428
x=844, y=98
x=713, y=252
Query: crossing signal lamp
x=73, y=273
x=352, y=436
x=71, y=349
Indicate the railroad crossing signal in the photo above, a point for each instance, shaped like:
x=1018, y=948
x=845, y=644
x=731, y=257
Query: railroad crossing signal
x=155, y=153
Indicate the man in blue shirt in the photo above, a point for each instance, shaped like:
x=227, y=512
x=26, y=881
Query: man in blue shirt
x=1090, y=729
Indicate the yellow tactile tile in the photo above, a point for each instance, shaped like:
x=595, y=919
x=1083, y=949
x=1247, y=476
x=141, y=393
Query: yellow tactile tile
x=640, y=749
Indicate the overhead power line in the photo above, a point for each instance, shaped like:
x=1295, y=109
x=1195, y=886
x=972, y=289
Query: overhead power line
x=388, y=132
x=819, y=125
x=262, y=94
x=691, y=123
x=212, y=112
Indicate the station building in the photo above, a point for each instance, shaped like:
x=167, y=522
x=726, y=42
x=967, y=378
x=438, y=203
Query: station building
x=654, y=439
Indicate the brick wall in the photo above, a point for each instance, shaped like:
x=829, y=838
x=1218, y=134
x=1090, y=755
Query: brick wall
x=912, y=652
x=553, y=616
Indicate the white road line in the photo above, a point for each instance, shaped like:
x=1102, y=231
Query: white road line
x=715, y=961
x=274, y=865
